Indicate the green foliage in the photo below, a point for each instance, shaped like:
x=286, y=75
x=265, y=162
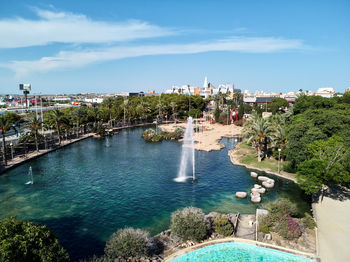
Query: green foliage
x=277, y=105
x=308, y=221
x=26, y=241
x=223, y=226
x=288, y=228
x=217, y=114
x=281, y=207
x=194, y=113
x=29, y=137
x=189, y=224
x=316, y=118
x=129, y=242
x=279, y=219
x=150, y=135
x=266, y=223
x=223, y=118
x=328, y=163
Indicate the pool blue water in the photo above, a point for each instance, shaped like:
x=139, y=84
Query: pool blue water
x=239, y=252
x=87, y=191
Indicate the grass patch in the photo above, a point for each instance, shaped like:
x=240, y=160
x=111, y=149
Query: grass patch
x=250, y=158
x=244, y=145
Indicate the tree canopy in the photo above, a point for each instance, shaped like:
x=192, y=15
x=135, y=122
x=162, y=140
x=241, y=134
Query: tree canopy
x=27, y=241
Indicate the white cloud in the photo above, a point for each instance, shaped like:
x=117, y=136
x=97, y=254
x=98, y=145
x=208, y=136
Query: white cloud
x=76, y=59
x=63, y=27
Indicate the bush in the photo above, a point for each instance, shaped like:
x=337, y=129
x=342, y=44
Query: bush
x=266, y=224
x=288, y=168
x=308, y=221
x=151, y=136
x=189, y=224
x=223, y=226
x=129, y=242
x=27, y=241
x=223, y=118
x=178, y=132
x=282, y=207
x=288, y=228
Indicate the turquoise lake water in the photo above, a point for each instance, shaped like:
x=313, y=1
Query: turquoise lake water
x=87, y=191
x=239, y=252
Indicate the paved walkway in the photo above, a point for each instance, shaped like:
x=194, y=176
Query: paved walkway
x=333, y=221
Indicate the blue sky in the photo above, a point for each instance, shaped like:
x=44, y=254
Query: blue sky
x=115, y=46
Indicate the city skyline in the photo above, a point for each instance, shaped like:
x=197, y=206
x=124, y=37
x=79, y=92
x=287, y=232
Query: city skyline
x=108, y=47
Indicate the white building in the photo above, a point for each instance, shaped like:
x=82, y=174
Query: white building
x=96, y=100
x=207, y=90
x=325, y=92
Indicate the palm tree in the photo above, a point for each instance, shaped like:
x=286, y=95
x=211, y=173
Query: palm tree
x=93, y=113
x=56, y=116
x=34, y=126
x=6, y=123
x=259, y=132
x=142, y=109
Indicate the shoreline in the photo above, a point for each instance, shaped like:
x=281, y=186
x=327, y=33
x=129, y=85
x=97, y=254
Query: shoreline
x=235, y=159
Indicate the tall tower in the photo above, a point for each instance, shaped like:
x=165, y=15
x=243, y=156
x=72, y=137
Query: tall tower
x=205, y=85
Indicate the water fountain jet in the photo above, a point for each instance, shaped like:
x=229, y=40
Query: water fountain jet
x=187, y=155
x=30, y=175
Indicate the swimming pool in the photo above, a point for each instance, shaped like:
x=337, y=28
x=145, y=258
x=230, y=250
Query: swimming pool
x=239, y=252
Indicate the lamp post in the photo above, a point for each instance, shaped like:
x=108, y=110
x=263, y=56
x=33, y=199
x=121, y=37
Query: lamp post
x=279, y=159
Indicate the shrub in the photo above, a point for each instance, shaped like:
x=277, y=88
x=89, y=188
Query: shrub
x=223, y=118
x=129, y=242
x=288, y=228
x=27, y=241
x=178, y=132
x=266, y=224
x=282, y=207
x=189, y=224
x=308, y=221
x=288, y=168
x=151, y=136
x=223, y=226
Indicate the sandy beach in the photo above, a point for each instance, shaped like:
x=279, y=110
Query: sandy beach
x=209, y=139
x=333, y=216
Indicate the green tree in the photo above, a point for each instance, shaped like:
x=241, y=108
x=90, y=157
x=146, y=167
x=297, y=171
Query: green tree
x=6, y=123
x=34, y=126
x=328, y=163
x=277, y=104
x=259, y=132
x=29, y=242
x=57, y=118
